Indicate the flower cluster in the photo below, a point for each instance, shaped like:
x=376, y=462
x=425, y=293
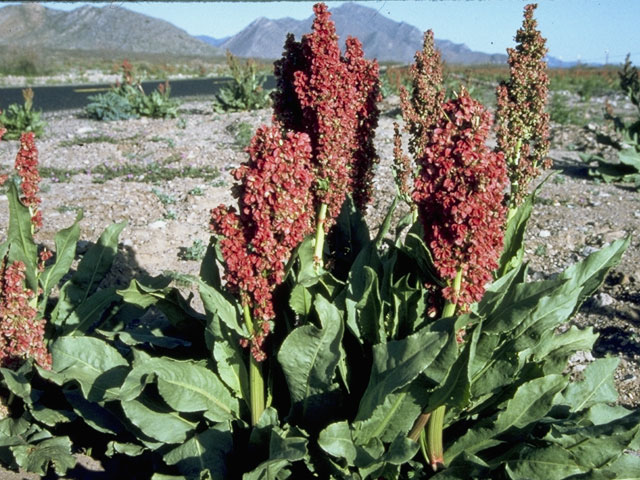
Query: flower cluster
x=367, y=83
x=27, y=167
x=332, y=99
x=522, y=124
x=421, y=111
x=459, y=193
x=275, y=214
x=21, y=331
x=401, y=166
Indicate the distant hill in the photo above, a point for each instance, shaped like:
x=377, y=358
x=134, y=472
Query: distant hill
x=110, y=28
x=382, y=38
x=216, y=42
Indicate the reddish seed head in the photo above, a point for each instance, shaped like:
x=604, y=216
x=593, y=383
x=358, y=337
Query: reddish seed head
x=27, y=167
x=275, y=214
x=459, y=192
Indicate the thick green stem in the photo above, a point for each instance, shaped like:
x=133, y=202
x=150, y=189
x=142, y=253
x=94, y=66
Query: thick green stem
x=256, y=380
x=434, y=438
x=436, y=420
x=319, y=244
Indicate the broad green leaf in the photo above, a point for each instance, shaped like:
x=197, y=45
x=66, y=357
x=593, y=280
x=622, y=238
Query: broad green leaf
x=550, y=463
x=94, y=364
x=309, y=274
x=415, y=248
x=591, y=272
x=556, y=349
x=204, y=451
x=51, y=417
x=91, y=270
x=37, y=458
x=629, y=156
x=309, y=356
x=189, y=387
x=530, y=403
x=232, y=369
x=409, y=306
x=17, y=381
x=129, y=449
x=97, y=417
x=209, y=272
x=22, y=247
x=300, y=300
x=364, y=305
x=146, y=337
x=283, y=451
x=89, y=313
x=401, y=450
x=336, y=440
x=626, y=467
x=216, y=304
x=157, y=421
x=601, y=413
x=396, y=364
x=66, y=241
x=596, y=387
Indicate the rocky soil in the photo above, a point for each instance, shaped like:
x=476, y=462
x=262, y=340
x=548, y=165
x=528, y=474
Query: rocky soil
x=573, y=216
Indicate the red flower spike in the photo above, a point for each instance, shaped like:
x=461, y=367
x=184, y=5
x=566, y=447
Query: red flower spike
x=422, y=110
x=332, y=99
x=459, y=193
x=275, y=214
x=21, y=331
x=522, y=124
x=27, y=167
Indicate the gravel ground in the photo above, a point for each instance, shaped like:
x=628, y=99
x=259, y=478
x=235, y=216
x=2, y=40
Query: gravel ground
x=573, y=216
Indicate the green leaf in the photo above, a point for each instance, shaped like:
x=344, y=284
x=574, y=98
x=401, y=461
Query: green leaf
x=336, y=441
x=217, y=305
x=157, y=421
x=66, y=241
x=37, y=458
x=97, y=417
x=401, y=450
x=88, y=315
x=283, y=451
x=589, y=274
x=309, y=357
x=91, y=270
x=232, y=369
x=204, y=451
x=17, y=381
x=22, y=247
x=556, y=349
x=189, y=387
x=209, y=272
x=308, y=273
x=94, y=364
x=51, y=417
x=550, y=463
x=531, y=401
x=626, y=467
x=300, y=300
x=396, y=364
x=596, y=387
x=145, y=337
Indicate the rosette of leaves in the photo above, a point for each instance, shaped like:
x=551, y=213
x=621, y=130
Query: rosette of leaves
x=245, y=91
x=18, y=119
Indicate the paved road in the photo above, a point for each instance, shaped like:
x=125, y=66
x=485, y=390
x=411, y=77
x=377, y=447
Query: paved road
x=65, y=97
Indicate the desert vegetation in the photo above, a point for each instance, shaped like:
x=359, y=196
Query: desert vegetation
x=331, y=337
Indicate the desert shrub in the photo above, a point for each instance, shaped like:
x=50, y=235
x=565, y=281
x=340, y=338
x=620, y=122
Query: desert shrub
x=127, y=99
x=245, y=91
x=18, y=119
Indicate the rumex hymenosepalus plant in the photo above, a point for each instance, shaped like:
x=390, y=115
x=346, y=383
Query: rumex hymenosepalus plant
x=18, y=119
x=330, y=362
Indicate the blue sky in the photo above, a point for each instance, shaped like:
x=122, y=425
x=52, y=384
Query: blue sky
x=586, y=30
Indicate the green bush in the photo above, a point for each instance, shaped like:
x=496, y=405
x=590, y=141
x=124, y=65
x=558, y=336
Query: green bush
x=128, y=100
x=22, y=118
x=245, y=92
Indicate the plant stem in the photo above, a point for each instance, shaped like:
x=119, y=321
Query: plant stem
x=319, y=243
x=436, y=421
x=256, y=380
x=418, y=427
x=434, y=438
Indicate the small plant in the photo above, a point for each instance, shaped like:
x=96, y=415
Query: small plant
x=196, y=191
x=127, y=100
x=627, y=169
x=195, y=252
x=19, y=119
x=164, y=198
x=245, y=92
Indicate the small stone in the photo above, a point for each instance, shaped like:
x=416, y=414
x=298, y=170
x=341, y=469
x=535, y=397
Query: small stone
x=158, y=225
x=603, y=299
x=544, y=233
x=588, y=250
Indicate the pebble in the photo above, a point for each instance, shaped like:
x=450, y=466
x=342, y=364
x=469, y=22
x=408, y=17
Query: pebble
x=158, y=225
x=544, y=233
x=603, y=299
x=588, y=250
x=581, y=357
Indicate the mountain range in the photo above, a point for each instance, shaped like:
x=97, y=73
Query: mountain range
x=115, y=29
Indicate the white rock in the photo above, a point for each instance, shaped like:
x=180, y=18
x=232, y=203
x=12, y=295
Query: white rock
x=544, y=233
x=158, y=224
x=603, y=299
